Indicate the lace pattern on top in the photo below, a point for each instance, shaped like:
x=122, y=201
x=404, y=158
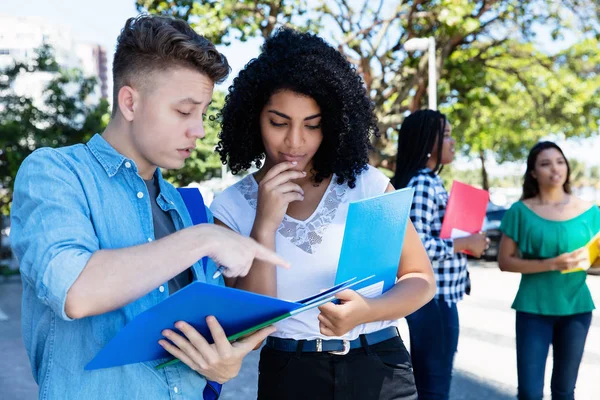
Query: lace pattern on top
x=306, y=235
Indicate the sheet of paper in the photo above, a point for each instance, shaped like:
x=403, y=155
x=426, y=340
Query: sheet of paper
x=457, y=234
x=373, y=290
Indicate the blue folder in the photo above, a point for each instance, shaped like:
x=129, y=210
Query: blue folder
x=373, y=238
x=236, y=310
x=370, y=253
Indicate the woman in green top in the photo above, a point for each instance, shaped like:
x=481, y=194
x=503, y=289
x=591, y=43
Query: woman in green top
x=544, y=235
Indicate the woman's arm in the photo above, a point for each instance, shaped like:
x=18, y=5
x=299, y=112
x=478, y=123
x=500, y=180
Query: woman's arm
x=415, y=287
x=510, y=261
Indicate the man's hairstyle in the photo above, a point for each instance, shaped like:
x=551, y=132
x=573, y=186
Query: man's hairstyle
x=305, y=64
x=150, y=43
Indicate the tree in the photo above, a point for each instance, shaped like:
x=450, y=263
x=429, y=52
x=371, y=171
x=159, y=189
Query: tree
x=485, y=58
x=517, y=101
x=63, y=118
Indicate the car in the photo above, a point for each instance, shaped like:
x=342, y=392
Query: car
x=491, y=225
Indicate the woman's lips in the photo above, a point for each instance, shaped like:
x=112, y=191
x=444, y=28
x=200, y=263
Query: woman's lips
x=291, y=157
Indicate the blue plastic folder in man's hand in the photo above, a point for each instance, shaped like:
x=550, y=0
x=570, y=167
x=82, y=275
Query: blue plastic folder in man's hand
x=239, y=313
x=369, y=259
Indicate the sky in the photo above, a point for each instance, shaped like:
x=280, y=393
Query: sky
x=100, y=21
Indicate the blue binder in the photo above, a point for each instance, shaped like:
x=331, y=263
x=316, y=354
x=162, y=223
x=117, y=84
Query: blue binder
x=240, y=312
x=373, y=238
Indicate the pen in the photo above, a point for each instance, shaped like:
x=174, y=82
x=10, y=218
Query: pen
x=218, y=272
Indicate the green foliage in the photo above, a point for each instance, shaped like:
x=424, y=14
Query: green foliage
x=222, y=21
x=63, y=117
x=501, y=93
x=517, y=95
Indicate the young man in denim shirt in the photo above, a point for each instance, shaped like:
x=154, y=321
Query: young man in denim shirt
x=101, y=237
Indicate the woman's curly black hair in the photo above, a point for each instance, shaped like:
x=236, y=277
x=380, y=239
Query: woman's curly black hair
x=303, y=63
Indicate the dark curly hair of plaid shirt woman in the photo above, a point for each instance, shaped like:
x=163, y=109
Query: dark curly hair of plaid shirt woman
x=425, y=145
x=302, y=108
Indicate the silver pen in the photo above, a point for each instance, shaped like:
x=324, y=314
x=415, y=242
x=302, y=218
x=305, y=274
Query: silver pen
x=218, y=272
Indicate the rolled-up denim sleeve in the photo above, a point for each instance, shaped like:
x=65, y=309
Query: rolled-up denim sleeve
x=52, y=234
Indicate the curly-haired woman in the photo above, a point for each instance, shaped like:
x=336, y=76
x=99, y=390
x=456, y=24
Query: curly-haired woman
x=302, y=108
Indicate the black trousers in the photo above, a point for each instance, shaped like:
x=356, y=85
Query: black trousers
x=382, y=371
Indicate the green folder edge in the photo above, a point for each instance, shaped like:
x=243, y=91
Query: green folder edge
x=235, y=337
x=254, y=328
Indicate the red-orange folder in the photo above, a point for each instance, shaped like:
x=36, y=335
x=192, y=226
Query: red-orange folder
x=465, y=212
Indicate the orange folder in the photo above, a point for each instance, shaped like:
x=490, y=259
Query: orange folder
x=465, y=212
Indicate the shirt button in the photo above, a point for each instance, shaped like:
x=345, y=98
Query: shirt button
x=175, y=389
x=162, y=289
x=127, y=164
x=140, y=195
x=149, y=239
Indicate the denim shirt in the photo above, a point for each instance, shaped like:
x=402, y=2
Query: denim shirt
x=69, y=203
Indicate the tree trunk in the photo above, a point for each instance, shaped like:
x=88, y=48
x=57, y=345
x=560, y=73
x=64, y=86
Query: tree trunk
x=484, y=175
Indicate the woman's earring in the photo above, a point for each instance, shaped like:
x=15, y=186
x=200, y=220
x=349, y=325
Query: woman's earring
x=428, y=155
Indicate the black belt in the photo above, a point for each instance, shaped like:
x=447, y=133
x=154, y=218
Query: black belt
x=333, y=346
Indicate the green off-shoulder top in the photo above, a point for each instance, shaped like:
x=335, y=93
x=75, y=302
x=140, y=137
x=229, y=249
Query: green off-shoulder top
x=551, y=293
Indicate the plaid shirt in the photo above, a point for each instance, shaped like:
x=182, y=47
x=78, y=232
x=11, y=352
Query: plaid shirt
x=427, y=214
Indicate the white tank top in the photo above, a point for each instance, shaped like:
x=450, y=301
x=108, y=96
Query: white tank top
x=312, y=246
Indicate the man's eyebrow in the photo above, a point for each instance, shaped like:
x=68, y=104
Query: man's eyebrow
x=190, y=100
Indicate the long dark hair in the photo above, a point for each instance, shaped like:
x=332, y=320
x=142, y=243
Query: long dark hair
x=531, y=187
x=416, y=139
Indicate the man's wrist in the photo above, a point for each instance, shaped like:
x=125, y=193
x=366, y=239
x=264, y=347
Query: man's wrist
x=203, y=240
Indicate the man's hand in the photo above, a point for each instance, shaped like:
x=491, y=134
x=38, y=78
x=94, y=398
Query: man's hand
x=339, y=319
x=236, y=252
x=218, y=362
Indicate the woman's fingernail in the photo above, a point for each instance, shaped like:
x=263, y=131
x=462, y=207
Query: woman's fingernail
x=294, y=162
x=303, y=172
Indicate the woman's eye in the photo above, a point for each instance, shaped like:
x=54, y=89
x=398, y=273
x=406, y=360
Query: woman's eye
x=183, y=113
x=276, y=124
x=314, y=127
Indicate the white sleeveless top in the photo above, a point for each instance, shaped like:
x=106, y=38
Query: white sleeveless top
x=312, y=246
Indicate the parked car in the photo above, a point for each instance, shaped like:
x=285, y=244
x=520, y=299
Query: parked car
x=491, y=225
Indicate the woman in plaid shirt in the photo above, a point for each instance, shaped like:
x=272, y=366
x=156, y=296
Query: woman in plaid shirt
x=425, y=145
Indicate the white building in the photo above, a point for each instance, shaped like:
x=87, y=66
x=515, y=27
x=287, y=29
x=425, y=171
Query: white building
x=21, y=36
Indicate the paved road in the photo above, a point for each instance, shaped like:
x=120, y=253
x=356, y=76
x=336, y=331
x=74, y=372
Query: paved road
x=485, y=363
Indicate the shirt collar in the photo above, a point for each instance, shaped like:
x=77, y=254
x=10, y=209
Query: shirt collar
x=110, y=159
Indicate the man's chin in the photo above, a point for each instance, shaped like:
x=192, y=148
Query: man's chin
x=172, y=165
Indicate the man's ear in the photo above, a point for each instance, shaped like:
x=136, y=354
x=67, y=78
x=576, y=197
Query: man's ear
x=128, y=98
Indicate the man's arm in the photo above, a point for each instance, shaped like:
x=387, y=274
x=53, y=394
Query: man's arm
x=53, y=236
x=114, y=278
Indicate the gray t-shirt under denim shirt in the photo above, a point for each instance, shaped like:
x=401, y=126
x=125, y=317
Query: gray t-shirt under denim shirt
x=163, y=226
